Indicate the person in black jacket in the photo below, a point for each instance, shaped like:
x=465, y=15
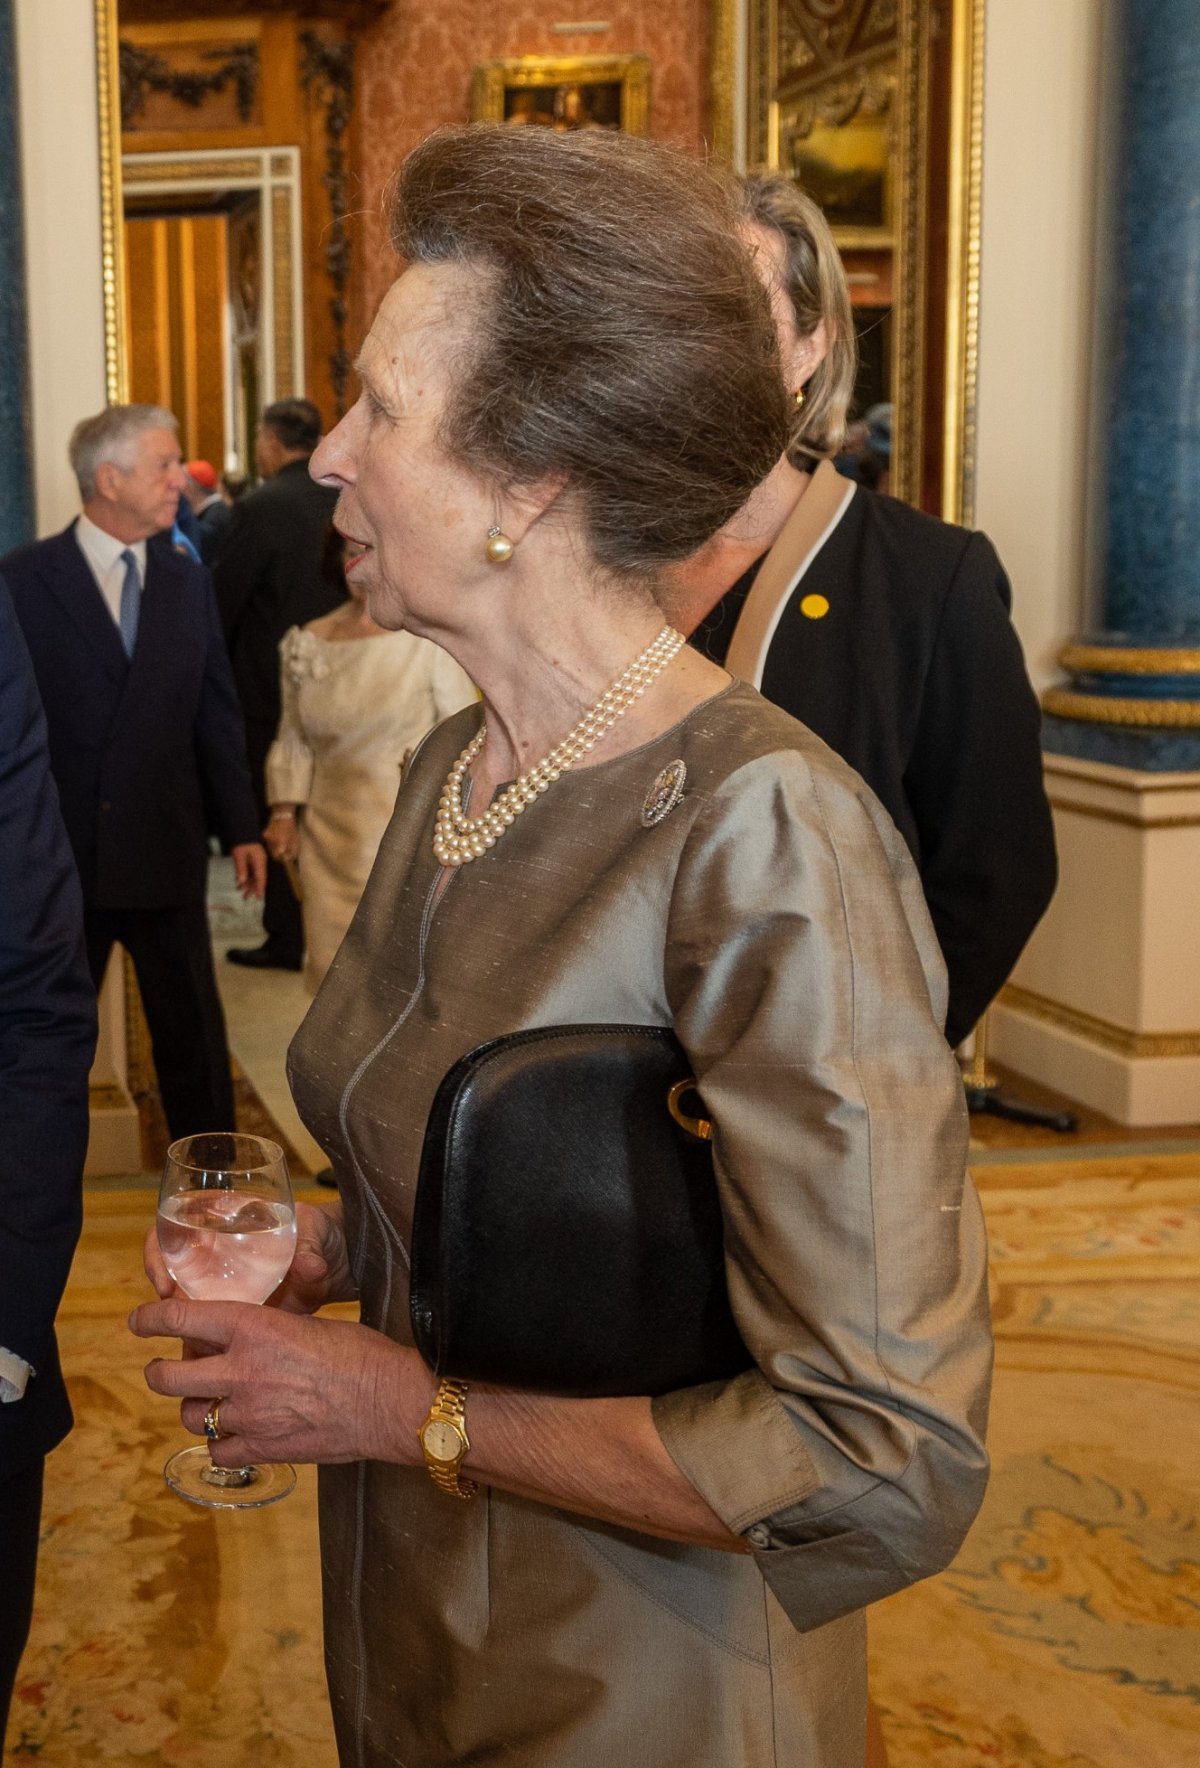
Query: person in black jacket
x=47, y=1036
x=147, y=744
x=884, y=630
x=269, y=578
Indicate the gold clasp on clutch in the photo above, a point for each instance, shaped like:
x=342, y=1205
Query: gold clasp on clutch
x=700, y=1127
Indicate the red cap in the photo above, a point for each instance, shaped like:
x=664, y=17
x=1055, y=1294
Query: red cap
x=204, y=474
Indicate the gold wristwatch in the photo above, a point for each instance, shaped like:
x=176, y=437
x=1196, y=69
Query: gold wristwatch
x=444, y=1440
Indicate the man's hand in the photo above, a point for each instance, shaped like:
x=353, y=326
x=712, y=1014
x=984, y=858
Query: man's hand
x=250, y=867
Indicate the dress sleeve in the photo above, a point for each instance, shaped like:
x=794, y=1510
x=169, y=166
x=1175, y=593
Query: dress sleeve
x=807, y=988
x=974, y=782
x=289, y=764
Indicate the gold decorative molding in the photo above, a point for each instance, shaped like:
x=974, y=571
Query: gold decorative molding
x=829, y=60
x=1143, y=714
x=112, y=249
x=187, y=171
x=908, y=358
x=963, y=262
x=282, y=233
x=722, y=96
x=1142, y=1044
x=1129, y=660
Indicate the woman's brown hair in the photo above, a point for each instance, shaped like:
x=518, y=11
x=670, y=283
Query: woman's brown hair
x=620, y=334
x=816, y=286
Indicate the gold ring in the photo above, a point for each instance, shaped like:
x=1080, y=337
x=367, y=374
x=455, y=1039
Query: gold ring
x=212, y=1422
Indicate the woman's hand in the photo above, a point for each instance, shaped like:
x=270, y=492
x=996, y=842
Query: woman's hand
x=282, y=833
x=319, y=1273
x=291, y=1389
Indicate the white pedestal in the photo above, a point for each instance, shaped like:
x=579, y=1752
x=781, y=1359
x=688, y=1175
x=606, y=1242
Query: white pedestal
x=1105, y=1003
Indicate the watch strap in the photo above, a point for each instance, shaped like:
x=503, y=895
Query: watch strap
x=449, y=1407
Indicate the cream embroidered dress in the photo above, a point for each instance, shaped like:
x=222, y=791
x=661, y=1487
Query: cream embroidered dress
x=772, y=915
x=352, y=710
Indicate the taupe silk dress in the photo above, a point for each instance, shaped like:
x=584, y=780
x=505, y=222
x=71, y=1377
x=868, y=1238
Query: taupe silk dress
x=774, y=917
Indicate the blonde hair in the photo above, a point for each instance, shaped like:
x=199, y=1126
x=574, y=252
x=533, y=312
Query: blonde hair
x=816, y=285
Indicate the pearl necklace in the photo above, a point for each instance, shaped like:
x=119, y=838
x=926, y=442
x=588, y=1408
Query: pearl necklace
x=458, y=838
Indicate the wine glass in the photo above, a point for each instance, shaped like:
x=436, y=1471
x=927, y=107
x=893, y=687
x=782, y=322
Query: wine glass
x=227, y=1231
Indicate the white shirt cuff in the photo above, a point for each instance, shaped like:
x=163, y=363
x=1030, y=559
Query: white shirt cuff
x=14, y=1375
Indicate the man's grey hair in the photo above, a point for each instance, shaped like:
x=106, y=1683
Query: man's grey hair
x=112, y=436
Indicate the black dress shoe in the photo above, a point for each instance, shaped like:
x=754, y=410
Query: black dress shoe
x=262, y=957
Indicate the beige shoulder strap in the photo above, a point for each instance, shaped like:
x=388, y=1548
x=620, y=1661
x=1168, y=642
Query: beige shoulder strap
x=804, y=533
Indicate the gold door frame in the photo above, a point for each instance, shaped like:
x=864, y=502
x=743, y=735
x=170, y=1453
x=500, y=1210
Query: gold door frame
x=112, y=205
x=732, y=96
x=272, y=174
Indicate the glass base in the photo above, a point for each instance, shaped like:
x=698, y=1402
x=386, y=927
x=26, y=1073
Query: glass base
x=190, y=1472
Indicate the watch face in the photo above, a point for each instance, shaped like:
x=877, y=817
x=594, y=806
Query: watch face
x=442, y=1441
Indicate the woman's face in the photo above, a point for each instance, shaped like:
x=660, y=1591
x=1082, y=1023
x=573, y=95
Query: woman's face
x=416, y=522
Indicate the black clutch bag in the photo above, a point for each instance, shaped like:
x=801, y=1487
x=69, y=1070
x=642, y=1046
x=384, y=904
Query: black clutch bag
x=567, y=1236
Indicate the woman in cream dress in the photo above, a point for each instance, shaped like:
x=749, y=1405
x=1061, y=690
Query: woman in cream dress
x=356, y=700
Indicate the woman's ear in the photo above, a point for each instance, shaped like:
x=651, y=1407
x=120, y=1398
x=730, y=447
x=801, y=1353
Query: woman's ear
x=519, y=507
x=808, y=355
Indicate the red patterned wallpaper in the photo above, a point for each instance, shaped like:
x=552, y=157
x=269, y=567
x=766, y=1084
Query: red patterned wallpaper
x=414, y=72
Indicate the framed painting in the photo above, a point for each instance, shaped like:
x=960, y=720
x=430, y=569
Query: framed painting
x=565, y=92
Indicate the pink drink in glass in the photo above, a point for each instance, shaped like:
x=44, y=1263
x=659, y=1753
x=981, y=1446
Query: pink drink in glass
x=224, y=1245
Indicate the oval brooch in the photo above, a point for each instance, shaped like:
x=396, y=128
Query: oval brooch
x=664, y=794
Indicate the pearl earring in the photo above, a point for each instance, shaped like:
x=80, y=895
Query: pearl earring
x=499, y=547
x=799, y=397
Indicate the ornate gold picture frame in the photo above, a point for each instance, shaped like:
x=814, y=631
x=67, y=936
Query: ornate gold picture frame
x=565, y=92
x=878, y=109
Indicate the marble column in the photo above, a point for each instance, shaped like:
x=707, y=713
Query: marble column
x=16, y=473
x=1133, y=698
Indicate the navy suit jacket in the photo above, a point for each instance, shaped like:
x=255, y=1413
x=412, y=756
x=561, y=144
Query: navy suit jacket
x=269, y=575
x=149, y=754
x=47, y=1038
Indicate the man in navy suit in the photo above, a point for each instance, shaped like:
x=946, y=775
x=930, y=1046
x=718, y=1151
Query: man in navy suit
x=47, y=1036
x=147, y=744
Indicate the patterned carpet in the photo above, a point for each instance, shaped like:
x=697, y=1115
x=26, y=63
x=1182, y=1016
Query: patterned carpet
x=1066, y=1635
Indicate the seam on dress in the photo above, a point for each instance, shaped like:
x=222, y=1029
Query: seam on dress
x=360, y=1637
x=747, y=1657
x=389, y=1231
x=770, y=1676
x=390, y=1234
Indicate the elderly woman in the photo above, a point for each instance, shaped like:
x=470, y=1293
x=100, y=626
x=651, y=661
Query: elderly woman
x=572, y=386
x=884, y=630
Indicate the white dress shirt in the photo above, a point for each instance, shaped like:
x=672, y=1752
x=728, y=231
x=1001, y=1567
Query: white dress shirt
x=14, y=1374
x=103, y=554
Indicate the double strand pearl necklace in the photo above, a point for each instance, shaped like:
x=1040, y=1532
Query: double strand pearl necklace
x=458, y=838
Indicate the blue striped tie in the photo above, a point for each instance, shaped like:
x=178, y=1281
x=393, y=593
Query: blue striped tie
x=131, y=602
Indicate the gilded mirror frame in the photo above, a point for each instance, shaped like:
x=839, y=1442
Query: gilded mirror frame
x=740, y=106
